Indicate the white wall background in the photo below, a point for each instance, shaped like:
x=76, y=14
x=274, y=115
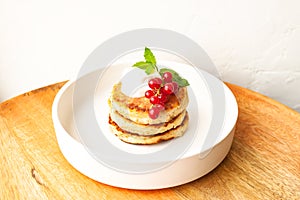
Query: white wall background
x=253, y=43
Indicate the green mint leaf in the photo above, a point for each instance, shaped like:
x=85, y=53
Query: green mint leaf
x=182, y=82
x=149, y=57
x=176, y=77
x=142, y=65
x=149, y=68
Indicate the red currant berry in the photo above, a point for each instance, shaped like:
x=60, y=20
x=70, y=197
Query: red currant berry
x=175, y=85
x=149, y=93
x=160, y=107
x=154, y=100
x=168, y=88
x=159, y=80
x=162, y=97
x=154, y=83
x=167, y=76
x=153, y=113
x=161, y=90
x=162, y=104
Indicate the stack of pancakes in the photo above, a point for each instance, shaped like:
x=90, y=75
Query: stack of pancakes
x=130, y=122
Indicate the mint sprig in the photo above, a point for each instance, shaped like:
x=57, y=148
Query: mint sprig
x=149, y=57
x=149, y=66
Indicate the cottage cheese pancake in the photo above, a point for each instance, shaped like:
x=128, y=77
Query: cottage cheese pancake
x=143, y=129
x=136, y=109
x=139, y=139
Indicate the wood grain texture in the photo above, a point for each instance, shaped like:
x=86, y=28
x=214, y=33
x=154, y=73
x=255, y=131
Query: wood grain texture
x=263, y=163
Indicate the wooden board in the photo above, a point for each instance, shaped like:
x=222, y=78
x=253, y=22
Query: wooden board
x=263, y=163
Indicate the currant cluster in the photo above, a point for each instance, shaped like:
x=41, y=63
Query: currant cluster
x=161, y=89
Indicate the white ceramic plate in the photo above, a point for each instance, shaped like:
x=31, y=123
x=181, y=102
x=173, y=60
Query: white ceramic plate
x=205, y=147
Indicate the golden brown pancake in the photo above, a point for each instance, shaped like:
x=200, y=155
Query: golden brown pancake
x=145, y=129
x=136, y=109
x=139, y=139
